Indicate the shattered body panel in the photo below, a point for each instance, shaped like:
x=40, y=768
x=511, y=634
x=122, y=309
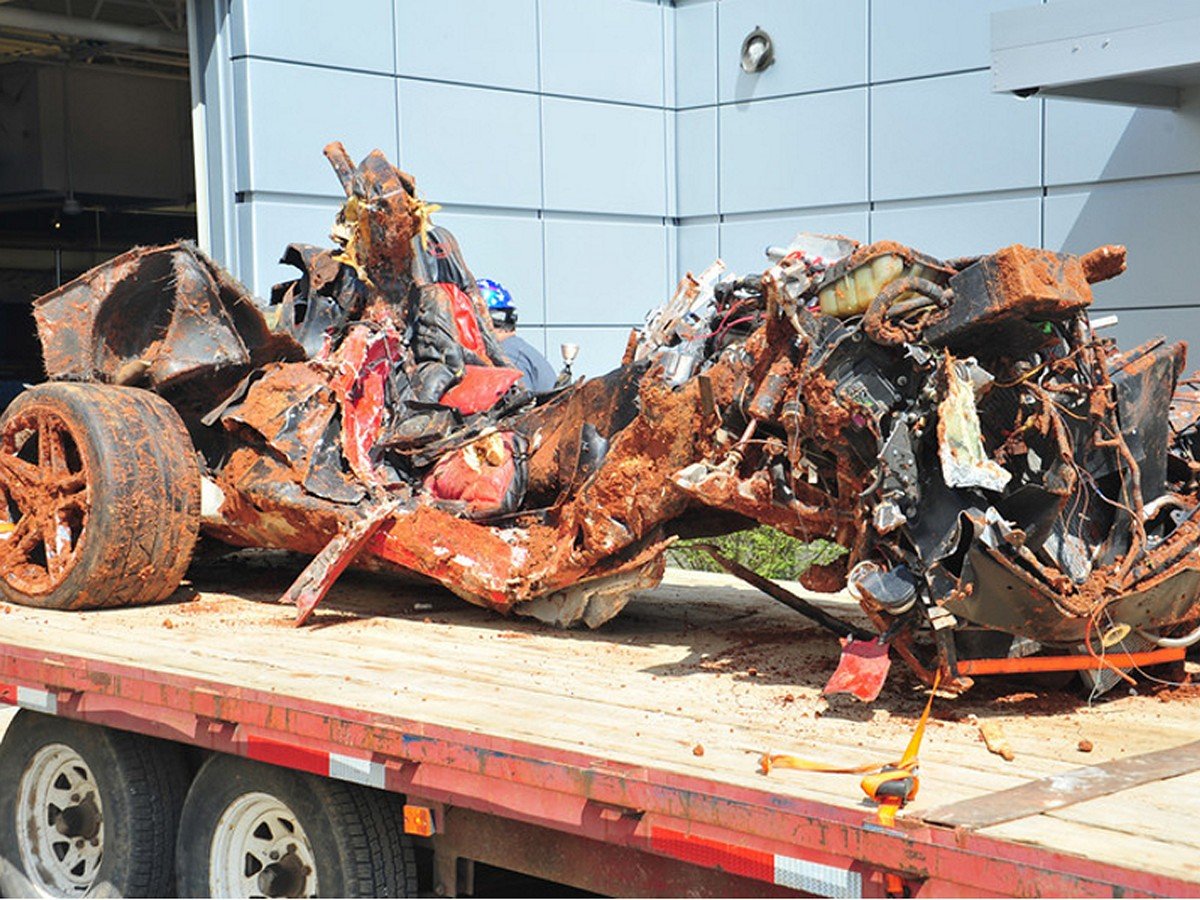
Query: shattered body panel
x=1002, y=477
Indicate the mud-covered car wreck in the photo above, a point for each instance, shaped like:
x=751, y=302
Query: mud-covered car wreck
x=1008, y=484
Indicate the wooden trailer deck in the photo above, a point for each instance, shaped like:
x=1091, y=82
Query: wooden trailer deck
x=688, y=686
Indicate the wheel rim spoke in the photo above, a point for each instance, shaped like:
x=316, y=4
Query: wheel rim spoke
x=19, y=472
x=20, y=542
x=52, y=500
x=71, y=484
x=52, y=541
x=52, y=457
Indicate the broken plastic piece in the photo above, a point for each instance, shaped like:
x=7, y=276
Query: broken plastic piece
x=861, y=671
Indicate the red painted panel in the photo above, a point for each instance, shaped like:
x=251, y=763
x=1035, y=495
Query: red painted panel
x=714, y=854
x=531, y=782
x=290, y=756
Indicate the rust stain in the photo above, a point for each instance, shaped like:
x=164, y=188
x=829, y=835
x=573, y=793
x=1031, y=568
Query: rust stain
x=953, y=423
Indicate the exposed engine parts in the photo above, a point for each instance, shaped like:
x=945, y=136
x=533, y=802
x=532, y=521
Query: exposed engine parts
x=1007, y=483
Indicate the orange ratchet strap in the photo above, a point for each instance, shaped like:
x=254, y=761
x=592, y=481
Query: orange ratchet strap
x=890, y=785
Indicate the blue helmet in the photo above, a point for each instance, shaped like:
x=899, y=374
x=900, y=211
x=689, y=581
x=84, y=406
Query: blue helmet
x=497, y=297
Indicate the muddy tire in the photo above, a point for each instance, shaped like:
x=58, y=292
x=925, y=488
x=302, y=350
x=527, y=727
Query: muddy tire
x=99, y=497
x=87, y=811
x=254, y=830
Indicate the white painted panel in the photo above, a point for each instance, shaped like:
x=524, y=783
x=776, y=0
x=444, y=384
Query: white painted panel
x=795, y=152
x=489, y=42
x=744, y=241
x=962, y=229
x=506, y=248
x=603, y=157
x=818, y=45
x=265, y=228
x=911, y=38
x=696, y=55
x=1105, y=141
x=603, y=49
x=283, y=141
x=315, y=31
x=471, y=145
x=1136, y=326
x=604, y=272
x=600, y=349
x=952, y=135
x=1157, y=219
x=697, y=248
x=696, y=167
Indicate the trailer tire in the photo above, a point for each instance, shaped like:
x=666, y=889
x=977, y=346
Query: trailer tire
x=130, y=791
x=249, y=828
x=99, y=497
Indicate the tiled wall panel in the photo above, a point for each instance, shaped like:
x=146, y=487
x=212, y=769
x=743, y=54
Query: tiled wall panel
x=1155, y=219
x=604, y=272
x=604, y=157
x=266, y=227
x=695, y=51
x=603, y=50
x=951, y=135
x=914, y=38
x=696, y=162
x=582, y=141
x=964, y=228
x=600, y=349
x=349, y=34
x=287, y=113
x=488, y=42
x=744, y=241
x=1135, y=327
x=470, y=145
x=697, y=247
x=772, y=157
x=1106, y=141
x=819, y=45
x=506, y=247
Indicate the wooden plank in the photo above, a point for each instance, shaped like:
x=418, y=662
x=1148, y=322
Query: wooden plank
x=1075, y=786
x=673, y=673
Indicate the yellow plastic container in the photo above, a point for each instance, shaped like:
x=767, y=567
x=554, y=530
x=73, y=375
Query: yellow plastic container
x=851, y=294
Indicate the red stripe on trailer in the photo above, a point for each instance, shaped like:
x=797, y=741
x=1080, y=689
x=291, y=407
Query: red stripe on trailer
x=810, y=876
x=8, y=694
x=546, y=785
x=714, y=854
x=290, y=756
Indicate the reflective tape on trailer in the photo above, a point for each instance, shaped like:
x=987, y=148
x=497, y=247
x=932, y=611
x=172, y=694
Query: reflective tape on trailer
x=787, y=871
x=35, y=699
x=357, y=769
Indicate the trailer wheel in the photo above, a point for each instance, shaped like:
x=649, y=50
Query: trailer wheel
x=99, y=497
x=255, y=830
x=86, y=811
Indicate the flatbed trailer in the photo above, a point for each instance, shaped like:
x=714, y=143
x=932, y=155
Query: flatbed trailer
x=626, y=760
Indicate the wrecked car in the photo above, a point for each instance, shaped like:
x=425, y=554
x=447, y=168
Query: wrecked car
x=1009, y=484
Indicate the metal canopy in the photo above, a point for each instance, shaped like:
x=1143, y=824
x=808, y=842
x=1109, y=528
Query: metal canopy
x=1113, y=51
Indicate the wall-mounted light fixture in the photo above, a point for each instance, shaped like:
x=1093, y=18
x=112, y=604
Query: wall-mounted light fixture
x=758, y=51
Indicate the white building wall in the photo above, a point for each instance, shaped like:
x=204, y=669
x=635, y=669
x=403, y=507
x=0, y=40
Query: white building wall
x=878, y=121
x=588, y=152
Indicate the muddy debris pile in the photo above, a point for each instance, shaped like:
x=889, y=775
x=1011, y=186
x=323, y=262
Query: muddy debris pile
x=1009, y=484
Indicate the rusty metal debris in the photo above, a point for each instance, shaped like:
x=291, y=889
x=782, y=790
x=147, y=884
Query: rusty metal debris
x=1007, y=483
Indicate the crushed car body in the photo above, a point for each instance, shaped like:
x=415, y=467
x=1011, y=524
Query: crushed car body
x=1006, y=481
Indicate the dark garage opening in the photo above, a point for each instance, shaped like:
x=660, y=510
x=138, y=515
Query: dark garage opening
x=95, y=149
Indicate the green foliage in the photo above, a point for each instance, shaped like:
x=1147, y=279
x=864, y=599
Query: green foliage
x=768, y=552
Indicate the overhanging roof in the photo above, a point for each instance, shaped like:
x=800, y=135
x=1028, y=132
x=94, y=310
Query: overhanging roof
x=1141, y=53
